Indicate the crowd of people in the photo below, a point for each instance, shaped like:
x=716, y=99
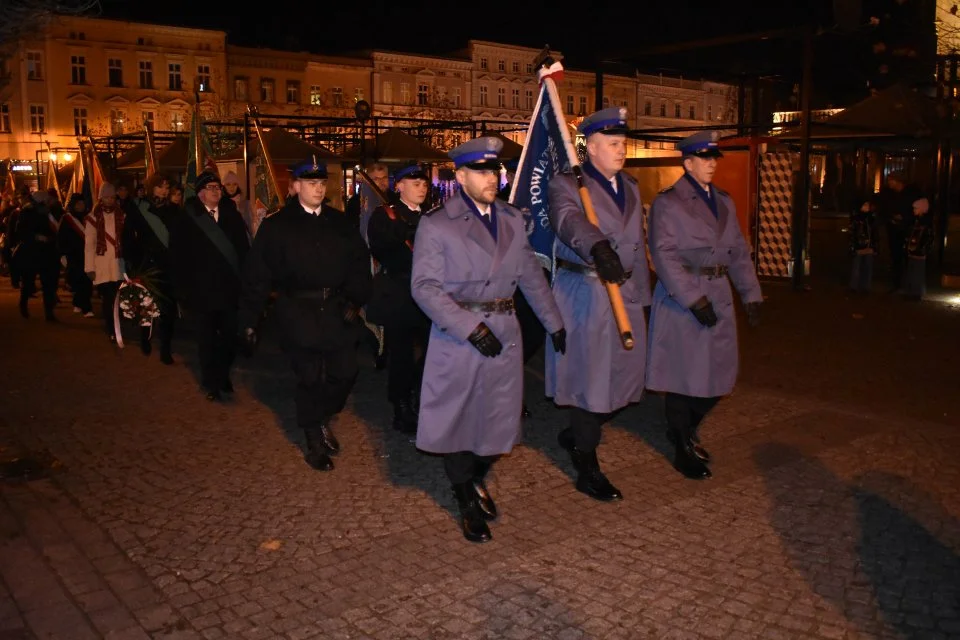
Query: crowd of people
x=460, y=295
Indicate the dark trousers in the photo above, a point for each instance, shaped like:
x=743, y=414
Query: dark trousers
x=898, y=256
x=685, y=413
x=585, y=427
x=49, y=273
x=324, y=382
x=168, y=317
x=406, y=356
x=108, y=293
x=531, y=330
x=216, y=342
x=80, y=284
x=465, y=466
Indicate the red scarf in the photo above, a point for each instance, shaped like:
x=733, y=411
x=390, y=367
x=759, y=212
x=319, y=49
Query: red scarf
x=118, y=216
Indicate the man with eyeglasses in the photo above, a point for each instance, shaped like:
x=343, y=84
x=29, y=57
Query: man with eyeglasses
x=207, y=248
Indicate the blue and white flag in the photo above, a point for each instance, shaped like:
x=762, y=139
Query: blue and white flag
x=546, y=152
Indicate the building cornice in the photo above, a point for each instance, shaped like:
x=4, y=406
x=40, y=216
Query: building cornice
x=413, y=59
x=141, y=27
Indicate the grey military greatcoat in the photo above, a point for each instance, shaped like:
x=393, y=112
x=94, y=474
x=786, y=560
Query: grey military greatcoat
x=597, y=373
x=684, y=356
x=469, y=402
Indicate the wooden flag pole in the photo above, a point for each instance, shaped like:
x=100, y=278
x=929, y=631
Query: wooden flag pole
x=613, y=289
x=550, y=70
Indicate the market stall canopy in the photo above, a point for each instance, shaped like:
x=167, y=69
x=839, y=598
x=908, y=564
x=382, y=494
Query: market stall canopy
x=284, y=148
x=174, y=157
x=894, y=112
x=510, y=148
x=395, y=145
x=132, y=159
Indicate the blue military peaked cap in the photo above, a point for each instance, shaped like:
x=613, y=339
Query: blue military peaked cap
x=312, y=168
x=479, y=153
x=610, y=121
x=413, y=171
x=512, y=165
x=705, y=144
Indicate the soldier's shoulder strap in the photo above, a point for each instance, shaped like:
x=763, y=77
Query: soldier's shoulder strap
x=720, y=191
x=628, y=177
x=667, y=190
x=434, y=210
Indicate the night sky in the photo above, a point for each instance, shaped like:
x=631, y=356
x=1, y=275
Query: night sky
x=613, y=30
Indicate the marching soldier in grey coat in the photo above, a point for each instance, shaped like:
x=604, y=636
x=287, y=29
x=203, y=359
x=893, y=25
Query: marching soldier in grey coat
x=469, y=257
x=598, y=375
x=697, y=250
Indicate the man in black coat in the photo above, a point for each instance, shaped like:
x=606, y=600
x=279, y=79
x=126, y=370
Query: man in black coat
x=391, y=232
x=38, y=254
x=208, y=246
x=317, y=262
x=146, y=242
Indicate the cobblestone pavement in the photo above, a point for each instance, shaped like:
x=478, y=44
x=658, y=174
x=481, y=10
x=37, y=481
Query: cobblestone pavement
x=834, y=511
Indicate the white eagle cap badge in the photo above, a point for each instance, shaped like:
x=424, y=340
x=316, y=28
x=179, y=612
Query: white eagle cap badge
x=316, y=167
x=623, y=113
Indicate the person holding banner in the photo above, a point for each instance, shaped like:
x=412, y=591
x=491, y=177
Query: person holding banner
x=698, y=250
x=598, y=375
x=208, y=244
x=315, y=259
x=391, y=233
x=469, y=257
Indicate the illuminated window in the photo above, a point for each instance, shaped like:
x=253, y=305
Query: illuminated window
x=146, y=74
x=34, y=65
x=79, y=121
x=38, y=118
x=78, y=70
x=174, y=76
x=203, y=77
x=115, y=72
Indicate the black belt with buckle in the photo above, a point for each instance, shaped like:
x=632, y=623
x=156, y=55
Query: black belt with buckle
x=716, y=271
x=500, y=305
x=313, y=294
x=583, y=269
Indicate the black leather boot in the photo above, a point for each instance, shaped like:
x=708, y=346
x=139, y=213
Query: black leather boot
x=484, y=500
x=590, y=480
x=472, y=523
x=687, y=462
x=702, y=454
x=316, y=454
x=145, y=345
x=327, y=439
x=404, y=419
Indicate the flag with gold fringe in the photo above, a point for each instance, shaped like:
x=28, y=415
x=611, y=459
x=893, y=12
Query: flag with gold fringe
x=199, y=152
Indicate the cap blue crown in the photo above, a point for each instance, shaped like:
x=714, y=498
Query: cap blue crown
x=610, y=121
x=310, y=168
x=704, y=143
x=411, y=171
x=483, y=151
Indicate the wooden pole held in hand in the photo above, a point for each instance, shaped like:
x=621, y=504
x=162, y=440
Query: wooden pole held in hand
x=613, y=289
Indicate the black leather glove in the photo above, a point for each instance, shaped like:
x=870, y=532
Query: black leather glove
x=485, y=342
x=608, y=264
x=559, y=340
x=350, y=313
x=753, y=314
x=247, y=341
x=702, y=309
